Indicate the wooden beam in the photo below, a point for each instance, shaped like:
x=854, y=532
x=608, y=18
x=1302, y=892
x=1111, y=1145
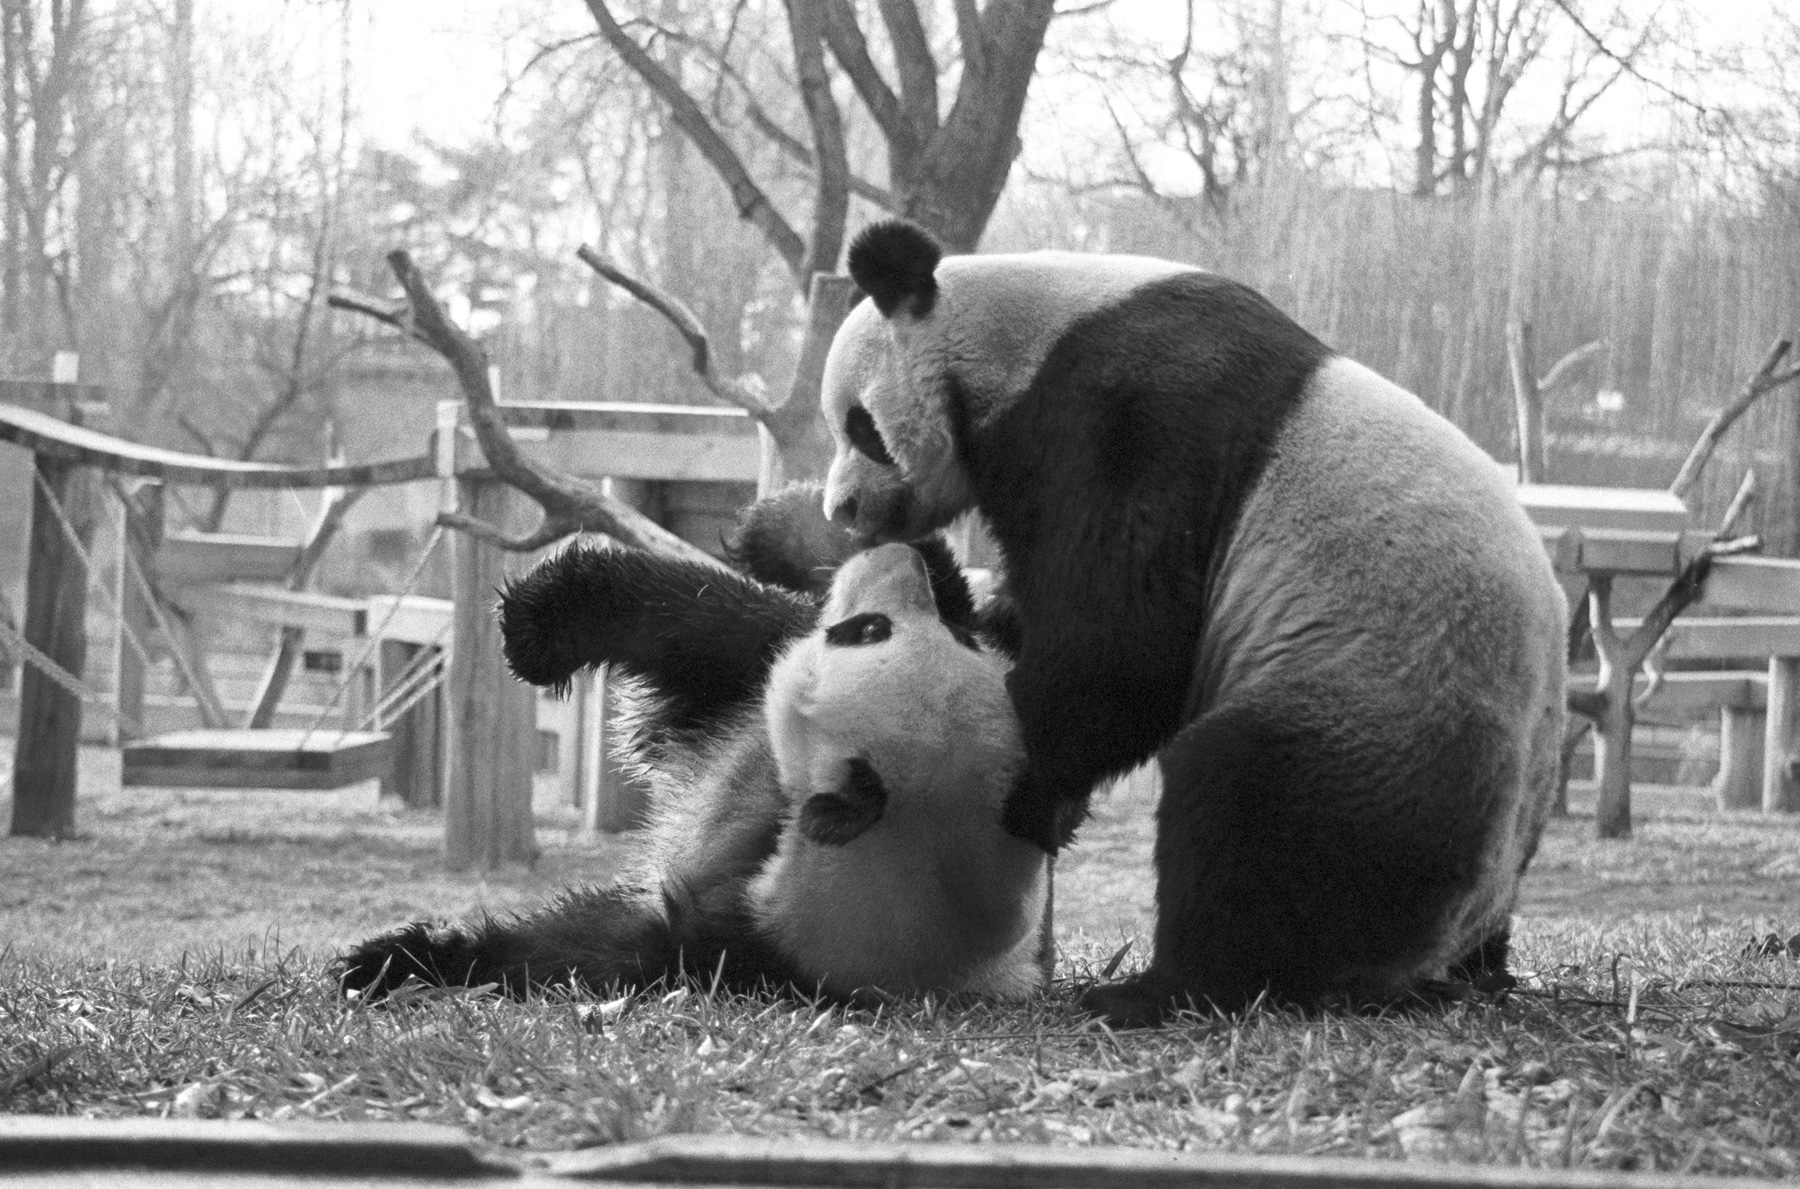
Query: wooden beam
x=331, y=615
x=1703, y=637
x=694, y=458
x=207, y=1151
x=1652, y=553
x=1780, y=791
x=284, y=758
x=489, y=716
x=1739, y=781
x=50, y=438
x=1552, y=505
x=1706, y=691
x=410, y=619
x=1767, y=584
x=56, y=585
x=682, y=443
x=141, y=539
x=190, y=557
x=625, y=416
x=747, y=1161
x=416, y=774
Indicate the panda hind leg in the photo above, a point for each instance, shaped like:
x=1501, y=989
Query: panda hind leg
x=1485, y=967
x=597, y=937
x=1275, y=876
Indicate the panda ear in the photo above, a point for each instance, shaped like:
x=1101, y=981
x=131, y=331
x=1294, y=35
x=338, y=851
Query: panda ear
x=893, y=263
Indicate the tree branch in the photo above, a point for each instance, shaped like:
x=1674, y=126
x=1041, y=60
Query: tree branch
x=752, y=203
x=851, y=49
x=968, y=31
x=1740, y=503
x=1627, y=63
x=1766, y=379
x=1566, y=367
x=917, y=67
x=797, y=152
x=570, y=505
x=831, y=196
x=745, y=392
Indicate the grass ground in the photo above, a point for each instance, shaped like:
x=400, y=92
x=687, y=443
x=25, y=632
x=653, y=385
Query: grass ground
x=170, y=961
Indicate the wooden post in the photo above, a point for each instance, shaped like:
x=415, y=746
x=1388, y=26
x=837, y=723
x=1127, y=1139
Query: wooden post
x=1739, y=782
x=1780, y=791
x=1528, y=401
x=142, y=538
x=414, y=776
x=1612, y=733
x=45, y=754
x=491, y=720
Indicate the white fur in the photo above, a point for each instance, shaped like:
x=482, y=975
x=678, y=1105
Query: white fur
x=994, y=320
x=1369, y=485
x=935, y=895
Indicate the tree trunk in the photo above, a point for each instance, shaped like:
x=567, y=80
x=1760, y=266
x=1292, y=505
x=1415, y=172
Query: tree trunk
x=796, y=444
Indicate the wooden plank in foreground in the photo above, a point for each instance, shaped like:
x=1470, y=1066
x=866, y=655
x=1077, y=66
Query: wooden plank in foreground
x=731, y=1160
x=268, y=758
x=31, y=1144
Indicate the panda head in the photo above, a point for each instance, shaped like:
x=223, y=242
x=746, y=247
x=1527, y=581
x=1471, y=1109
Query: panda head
x=886, y=698
x=943, y=347
x=894, y=474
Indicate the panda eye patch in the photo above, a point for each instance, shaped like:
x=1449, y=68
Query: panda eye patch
x=859, y=427
x=870, y=628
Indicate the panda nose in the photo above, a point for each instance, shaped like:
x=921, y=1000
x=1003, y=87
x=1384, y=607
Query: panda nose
x=845, y=512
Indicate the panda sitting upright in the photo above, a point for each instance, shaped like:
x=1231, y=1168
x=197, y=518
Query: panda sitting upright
x=1314, y=599
x=827, y=781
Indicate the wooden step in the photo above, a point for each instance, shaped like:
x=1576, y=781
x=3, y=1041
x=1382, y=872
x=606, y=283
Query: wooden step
x=277, y=758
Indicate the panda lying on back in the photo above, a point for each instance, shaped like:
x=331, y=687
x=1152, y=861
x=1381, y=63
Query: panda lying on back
x=827, y=781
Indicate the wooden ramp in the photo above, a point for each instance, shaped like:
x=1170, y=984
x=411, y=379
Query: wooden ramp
x=262, y=759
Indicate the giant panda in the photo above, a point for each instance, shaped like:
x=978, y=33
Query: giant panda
x=828, y=783
x=1225, y=545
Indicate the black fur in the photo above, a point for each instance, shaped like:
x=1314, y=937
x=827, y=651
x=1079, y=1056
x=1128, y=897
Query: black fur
x=1134, y=419
x=894, y=262
x=834, y=819
x=785, y=540
x=704, y=638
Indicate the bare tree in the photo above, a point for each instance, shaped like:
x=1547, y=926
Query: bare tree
x=945, y=169
x=44, y=58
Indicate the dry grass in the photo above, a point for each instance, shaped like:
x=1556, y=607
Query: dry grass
x=1639, y=1042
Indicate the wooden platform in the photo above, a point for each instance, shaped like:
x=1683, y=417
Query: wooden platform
x=59, y=1152
x=266, y=759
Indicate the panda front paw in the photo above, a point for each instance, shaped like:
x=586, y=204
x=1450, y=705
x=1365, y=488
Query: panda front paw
x=381, y=965
x=1032, y=817
x=840, y=818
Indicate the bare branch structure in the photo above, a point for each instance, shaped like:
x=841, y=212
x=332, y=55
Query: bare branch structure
x=1609, y=705
x=570, y=505
x=1768, y=377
